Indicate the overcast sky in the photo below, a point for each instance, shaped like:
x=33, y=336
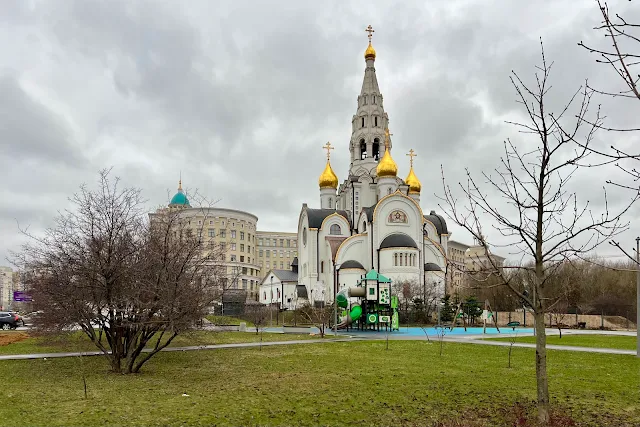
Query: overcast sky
x=240, y=96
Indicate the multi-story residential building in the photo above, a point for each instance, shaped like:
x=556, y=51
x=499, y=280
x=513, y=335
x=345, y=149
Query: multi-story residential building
x=248, y=254
x=233, y=232
x=456, y=266
x=6, y=287
x=466, y=261
x=276, y=250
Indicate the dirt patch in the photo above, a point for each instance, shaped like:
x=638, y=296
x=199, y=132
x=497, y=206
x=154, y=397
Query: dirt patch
x=11, y=337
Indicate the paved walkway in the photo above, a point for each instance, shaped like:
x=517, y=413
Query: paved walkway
x=464, y=339
x=186, y=348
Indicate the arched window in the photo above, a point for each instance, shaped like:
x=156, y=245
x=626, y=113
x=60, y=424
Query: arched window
x=395, y=260
x=363, y=149
x=335, y=230
x=375, y=119
x=389, y=191
x=376, y=149
x=330, y=203
x=265, y=295
x=364, y=226
x=362, y=122
x=400, y=260
x=321, y=266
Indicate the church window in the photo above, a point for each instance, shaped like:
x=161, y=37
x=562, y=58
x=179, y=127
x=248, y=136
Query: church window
x=389, y=191
x=363, y=149
x=374, y=100
x=362, y=122
x=376, y=149
x=321, y=266
x=375, y=118
x=335, y=230
x=330, y=203
x=400, y=260
x=395, y=259
x=364, y=226
x=405, y=260
x=304, y=236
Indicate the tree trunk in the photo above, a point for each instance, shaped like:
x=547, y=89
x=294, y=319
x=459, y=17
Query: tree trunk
x=541, y=368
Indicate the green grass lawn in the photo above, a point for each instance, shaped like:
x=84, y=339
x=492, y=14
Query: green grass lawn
x=77, y=341
x=622, y=342
x=357, y=383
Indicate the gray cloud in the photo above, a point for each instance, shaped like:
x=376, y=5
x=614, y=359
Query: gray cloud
x=239, y=96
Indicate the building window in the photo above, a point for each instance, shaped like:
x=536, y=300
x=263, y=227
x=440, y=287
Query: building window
x=363, y=149
x=242, y=260
x=288, y=243
x=241, y=247
x=268, y=264
x=282, y=243
x=268, y=253
x=281, y=265
x=242, y=235
x=212, y=232
x=375, y=119
x=199, y=222
x=223, y=246
x=244, y=284
x=233, y=257
x=223, y=233
x=335, y=230
x=233, y=246
x=259, y=242
x=281, y=254
x=260, y=252
x=376, y=149
x=275, y=253
x=233, y=234
x=362, y=123
x=249, y=248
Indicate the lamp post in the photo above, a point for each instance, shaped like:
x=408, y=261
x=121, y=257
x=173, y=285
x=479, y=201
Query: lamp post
x=282, y=300
x=335, y=297
x=638, y=296
x=271, y=303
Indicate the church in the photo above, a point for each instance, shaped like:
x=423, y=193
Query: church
x=372, y=220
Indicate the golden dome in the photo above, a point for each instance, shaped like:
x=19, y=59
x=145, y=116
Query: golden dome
x=370, y=52
x=413, y=182
x=328, y=178
x=386, y=166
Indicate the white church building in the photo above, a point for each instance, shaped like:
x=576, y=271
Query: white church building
x=372, y=220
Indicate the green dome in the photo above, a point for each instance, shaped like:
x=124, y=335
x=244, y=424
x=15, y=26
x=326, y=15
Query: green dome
x=179, y=199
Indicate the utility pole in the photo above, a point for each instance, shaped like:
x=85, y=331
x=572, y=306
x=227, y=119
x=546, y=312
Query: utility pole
x=638, y=296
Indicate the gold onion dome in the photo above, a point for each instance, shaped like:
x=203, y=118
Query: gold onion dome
x=370, y=52
x=328, y=178
x=386, y=165
x=413, y=182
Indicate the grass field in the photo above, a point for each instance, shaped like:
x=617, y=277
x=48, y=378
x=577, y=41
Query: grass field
x=358, y=383
x=601, y=341
x=79, y=342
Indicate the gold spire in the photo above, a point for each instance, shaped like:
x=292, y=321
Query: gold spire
x=370, y=52
x=386, y=165
x=328, y=178
x=412, y=180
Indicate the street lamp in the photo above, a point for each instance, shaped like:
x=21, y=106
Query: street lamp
x=271, y=303
x=335, y=297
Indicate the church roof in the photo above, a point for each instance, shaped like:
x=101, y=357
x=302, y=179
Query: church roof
x=316, y=216
x=369, y=212
x=374, y=275
x=438, y=221
x=432, y=266
x=286, y=275
x=351, y=264
x=398, y=240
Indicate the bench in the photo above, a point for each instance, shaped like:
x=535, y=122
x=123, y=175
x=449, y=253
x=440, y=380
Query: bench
x=513, y=325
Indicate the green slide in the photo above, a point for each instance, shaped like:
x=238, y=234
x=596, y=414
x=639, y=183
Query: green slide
x=354, y=314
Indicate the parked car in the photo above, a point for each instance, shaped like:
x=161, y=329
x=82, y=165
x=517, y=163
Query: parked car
x=10, y=320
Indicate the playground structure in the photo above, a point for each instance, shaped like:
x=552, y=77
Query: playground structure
x=374, y=306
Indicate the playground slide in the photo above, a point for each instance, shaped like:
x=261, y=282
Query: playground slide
x=352, y=316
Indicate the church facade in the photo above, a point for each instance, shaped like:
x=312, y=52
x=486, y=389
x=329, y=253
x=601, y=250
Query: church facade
x=373, y=219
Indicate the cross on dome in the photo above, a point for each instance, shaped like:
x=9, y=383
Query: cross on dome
x=370, y=30
x=411, y=155
x=328, y=147
x=387, y=142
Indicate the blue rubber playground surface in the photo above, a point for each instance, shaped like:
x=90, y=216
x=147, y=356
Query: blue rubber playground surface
x=433, y=332
x=412, y=332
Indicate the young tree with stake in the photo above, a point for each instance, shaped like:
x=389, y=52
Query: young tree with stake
x=545, y=221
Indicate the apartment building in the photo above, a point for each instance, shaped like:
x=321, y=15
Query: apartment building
x=276, y=250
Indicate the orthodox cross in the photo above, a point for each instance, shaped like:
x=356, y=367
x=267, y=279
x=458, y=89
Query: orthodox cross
x=328, y=147
x=370, y=30
x=411, y=156
x=387, y=142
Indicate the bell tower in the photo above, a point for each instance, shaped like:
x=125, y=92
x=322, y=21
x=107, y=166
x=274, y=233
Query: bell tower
x=370, y=121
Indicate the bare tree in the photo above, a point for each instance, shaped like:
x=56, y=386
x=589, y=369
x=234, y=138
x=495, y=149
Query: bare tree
x=320, y=317
x=130, y=284
x=540, y=216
